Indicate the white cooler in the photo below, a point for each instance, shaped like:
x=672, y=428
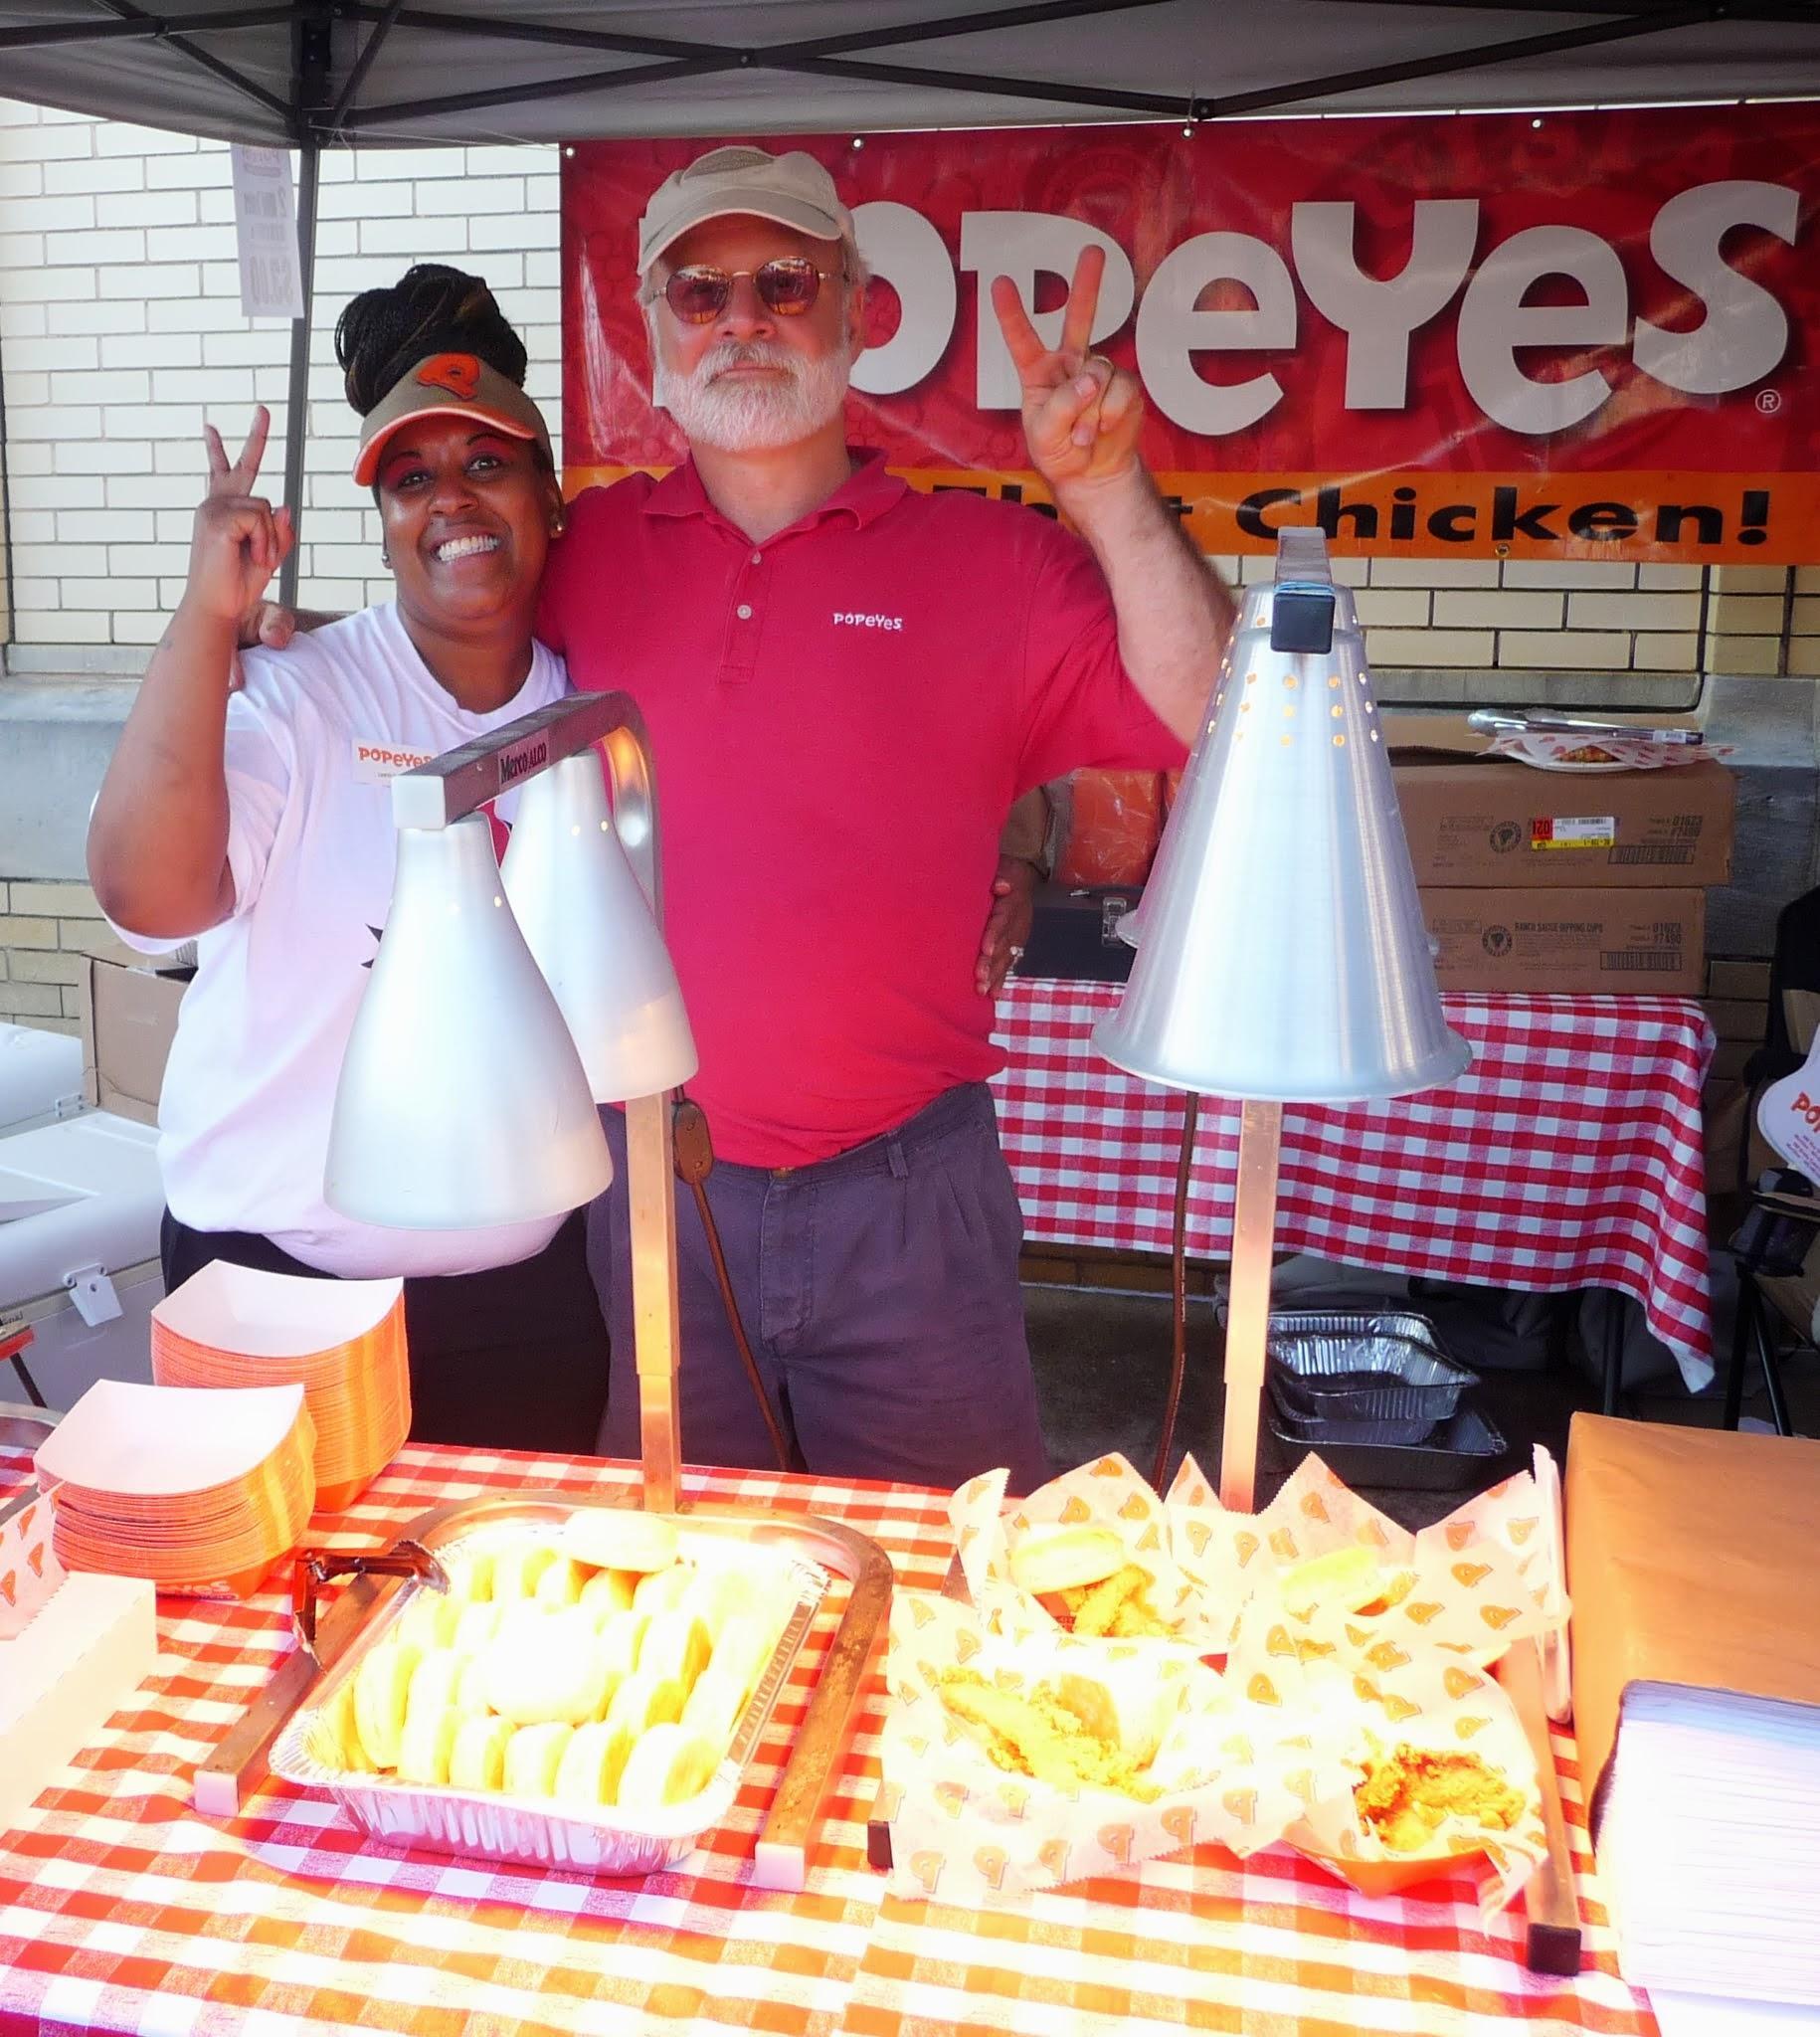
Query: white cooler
x=80, y=1203
x=41, y=1077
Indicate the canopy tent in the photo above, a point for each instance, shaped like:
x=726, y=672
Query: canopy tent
x=325, y=72
x=555, y=70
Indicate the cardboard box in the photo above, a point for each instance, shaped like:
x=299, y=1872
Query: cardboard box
x=1524, y=939
x=1499, y=823
x=130, y=1018
x=1690, y=1554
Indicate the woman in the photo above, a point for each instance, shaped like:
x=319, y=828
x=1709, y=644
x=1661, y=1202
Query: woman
x=261, y=820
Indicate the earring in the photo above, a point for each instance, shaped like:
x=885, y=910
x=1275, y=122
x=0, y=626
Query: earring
x=384, y=557
x=559, y=526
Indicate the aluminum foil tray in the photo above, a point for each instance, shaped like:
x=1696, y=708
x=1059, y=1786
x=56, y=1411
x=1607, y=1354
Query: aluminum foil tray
x=535, y=1831
x=1455, y=1458
x=1360, y=1378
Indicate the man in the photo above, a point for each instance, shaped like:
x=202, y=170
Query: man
x=848, y=684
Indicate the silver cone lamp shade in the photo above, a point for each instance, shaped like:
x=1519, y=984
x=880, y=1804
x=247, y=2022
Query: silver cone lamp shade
x=1281, y=955
x=594, y=936
x=1281, y=950
x=462, y=1101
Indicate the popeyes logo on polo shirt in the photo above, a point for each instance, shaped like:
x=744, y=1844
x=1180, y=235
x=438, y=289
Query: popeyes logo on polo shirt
x=379, y=763
x=848, y=619
x=459, y=374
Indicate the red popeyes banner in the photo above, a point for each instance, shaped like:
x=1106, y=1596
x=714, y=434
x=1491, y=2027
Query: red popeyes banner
x=1585, y=335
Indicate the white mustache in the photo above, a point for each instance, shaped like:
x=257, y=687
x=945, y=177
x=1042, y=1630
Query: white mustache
x=742, y=353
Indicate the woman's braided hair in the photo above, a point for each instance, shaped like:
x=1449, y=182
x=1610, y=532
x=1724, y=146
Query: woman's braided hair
x=431, y=310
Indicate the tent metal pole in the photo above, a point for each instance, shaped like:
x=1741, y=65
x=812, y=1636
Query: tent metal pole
x=297, y=411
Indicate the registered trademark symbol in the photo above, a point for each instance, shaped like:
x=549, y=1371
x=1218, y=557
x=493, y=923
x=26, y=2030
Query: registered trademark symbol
x=1769, y=401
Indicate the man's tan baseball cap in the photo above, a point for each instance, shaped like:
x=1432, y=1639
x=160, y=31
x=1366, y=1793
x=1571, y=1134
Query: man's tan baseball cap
x=794, y=189
x=448, y=385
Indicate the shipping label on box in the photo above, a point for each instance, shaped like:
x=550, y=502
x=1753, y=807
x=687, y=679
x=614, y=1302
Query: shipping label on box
x=1497, y=822
x=1568, y=941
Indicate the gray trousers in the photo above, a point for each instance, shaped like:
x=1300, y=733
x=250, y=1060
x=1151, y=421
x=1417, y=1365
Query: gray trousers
x=880, y=1293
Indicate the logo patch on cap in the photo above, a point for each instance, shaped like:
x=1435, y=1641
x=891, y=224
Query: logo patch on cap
x=459, y=374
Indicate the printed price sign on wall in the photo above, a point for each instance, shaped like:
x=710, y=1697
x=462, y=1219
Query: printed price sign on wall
x=266, y=230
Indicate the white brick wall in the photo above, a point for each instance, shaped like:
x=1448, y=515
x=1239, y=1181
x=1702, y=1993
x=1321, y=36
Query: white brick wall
x=121, y=328
x=121, y=325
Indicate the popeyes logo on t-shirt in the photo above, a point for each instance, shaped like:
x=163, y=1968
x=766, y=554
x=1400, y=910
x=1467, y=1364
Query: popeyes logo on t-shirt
x=378, y=763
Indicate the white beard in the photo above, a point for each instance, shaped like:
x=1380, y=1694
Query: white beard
x=753, y=417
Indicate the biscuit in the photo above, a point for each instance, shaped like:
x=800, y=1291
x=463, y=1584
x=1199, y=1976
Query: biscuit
x=620, y=1539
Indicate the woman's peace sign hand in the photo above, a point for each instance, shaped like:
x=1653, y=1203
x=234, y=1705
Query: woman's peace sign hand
x=240, y=540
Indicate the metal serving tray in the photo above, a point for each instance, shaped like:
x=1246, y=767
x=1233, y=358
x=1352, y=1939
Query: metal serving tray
x=1360, y=1378
x=1454, y=1458
x=494, y=1826
x=529, y=1829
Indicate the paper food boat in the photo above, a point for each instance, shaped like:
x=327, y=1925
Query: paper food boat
x=201, y=1490
x=343, y=1341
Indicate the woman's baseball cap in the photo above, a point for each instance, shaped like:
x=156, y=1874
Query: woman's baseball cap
x=791, y=189
x=448, y=385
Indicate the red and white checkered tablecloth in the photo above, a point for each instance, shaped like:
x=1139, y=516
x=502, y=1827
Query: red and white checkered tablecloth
x=1569, y=1154
x=122, y=1909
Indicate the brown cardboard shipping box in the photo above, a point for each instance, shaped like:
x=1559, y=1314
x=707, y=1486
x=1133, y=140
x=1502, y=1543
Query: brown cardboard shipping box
x=1691, y=1560
x=1568, y=941
x=130, y=1018
x=1499, y=823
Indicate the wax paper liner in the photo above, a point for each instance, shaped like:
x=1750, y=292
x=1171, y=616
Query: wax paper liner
x=1426, y=1702
x=963, y=1829
x=1108, y=1493
x=1483, y=1579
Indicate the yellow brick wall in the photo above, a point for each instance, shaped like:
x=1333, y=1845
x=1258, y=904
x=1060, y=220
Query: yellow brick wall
x=47, y=933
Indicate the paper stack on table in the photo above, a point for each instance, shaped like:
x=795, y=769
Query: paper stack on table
x=343, y=1341
x=200, y=1490
x=1692, y=1556
x=1708, y=1848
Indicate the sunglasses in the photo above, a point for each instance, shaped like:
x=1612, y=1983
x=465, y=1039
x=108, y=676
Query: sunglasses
x=699, y=294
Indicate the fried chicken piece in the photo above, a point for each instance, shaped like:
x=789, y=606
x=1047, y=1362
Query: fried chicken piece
x=1037, y=1736
x=1097, y=1610
x=1134, y=1621
x=1407, y=1794
x=1116, y=1606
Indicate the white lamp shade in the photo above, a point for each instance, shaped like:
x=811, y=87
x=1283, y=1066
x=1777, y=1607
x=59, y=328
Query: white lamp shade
x=594, y=936
x=1281, y=953
x=462, y=1103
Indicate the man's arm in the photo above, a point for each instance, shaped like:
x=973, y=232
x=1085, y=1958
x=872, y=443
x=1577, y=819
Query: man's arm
x=1082, y=419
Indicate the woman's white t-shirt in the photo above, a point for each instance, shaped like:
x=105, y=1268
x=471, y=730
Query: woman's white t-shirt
x=314, y=737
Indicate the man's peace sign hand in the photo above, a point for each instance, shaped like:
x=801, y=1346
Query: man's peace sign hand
x=240, y=540
x=1081, y=416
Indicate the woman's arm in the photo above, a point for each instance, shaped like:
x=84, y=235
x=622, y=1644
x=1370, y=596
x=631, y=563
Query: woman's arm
x=158, y=836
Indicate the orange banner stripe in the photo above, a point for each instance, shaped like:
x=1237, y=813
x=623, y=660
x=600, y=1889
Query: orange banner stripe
x=1665, y=518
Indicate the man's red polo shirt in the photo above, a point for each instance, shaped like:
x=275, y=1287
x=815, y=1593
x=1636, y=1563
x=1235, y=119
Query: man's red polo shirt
x=841, y=718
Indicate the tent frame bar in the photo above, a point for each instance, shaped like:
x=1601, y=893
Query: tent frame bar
x=1627, y=25
x=125, y=28
x=1625, y=29
x=123, y=10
